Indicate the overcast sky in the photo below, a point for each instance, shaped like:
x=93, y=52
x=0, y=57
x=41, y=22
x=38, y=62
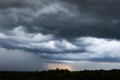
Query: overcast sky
x=49, y=34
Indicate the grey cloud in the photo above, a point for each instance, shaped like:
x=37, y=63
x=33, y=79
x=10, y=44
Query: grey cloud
x=66, y=19
x=81, y=49
x=97, y=50
x=38, y=47
x=36, y=43
x=12, y=3
x=37, y=15
x=107, y=14
x=16, y=60
x=105, y=59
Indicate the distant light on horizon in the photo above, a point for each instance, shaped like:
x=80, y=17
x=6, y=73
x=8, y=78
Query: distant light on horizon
x=60, y=66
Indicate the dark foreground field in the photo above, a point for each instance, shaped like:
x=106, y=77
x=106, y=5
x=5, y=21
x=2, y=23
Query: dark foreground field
x=62, y=75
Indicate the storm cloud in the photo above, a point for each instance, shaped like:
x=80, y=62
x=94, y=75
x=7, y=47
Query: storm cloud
x=61, y=30
x=89, y=17
x=49, y=47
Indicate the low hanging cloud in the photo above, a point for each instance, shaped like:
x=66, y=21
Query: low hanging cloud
x=38, y=42
x=17, y=60
x=49, y=47
x=97, y=50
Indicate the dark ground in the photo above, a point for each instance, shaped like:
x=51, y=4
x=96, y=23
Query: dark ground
x=62, y=75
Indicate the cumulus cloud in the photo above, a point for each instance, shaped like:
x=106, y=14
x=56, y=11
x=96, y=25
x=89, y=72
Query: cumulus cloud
x=19, y=39
x=97, y=50
x=47, y=46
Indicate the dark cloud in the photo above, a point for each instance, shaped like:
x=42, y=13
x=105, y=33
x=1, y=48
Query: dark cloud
x=105, y=59
x=105, y=12
x=12, y=3
x=66, y=18
x=17, y=60
x=58, y=29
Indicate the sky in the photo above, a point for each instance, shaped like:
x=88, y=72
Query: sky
x=66, y=34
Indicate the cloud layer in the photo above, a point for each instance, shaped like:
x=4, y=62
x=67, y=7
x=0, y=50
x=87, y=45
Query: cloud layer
x=60, y=30
x=66, y=19
x=47, y=46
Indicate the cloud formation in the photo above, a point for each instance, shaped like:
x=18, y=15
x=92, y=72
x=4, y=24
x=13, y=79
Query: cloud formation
x=66, y=19
x=57, y=30
x=34, y=42
x=49, y=47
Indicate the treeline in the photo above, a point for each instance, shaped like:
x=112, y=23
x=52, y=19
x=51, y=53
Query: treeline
x=62, y=75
